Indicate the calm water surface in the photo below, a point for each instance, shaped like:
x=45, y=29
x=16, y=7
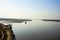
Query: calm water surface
x=36, y=30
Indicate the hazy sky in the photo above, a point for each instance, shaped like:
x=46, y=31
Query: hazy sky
x=30, y=9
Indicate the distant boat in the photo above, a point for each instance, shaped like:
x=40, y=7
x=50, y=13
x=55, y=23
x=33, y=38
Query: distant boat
x=53, y=20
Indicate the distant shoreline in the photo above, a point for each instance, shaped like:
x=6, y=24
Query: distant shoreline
x=50, y=20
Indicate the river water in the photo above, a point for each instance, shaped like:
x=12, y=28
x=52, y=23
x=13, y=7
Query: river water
x=37, y=30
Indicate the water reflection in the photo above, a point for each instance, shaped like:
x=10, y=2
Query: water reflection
x=37, y=30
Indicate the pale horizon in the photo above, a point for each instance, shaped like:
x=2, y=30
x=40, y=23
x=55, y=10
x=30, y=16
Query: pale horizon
x=33, y=9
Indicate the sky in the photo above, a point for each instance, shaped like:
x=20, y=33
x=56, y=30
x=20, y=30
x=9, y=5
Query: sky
x=33, y=9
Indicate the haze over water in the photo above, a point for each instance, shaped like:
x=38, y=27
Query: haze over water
x=37, y=30
x=32, y=9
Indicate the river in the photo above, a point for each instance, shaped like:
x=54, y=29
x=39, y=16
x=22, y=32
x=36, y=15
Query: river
x=37, y=30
